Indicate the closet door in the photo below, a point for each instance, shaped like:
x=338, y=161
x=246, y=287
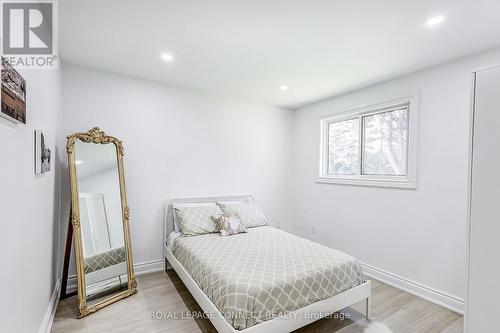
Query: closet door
x=483, y=308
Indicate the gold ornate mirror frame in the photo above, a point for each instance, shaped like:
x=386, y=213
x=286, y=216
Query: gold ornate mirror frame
x=97, y=136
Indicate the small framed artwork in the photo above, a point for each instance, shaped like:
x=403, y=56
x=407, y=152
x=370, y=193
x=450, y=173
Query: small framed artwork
x=13, y=94
x=42, y=154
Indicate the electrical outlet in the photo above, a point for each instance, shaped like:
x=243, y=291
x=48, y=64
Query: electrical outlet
x=313, y=229
x=278, y=225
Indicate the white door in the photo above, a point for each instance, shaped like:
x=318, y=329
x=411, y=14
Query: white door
x=483, y=308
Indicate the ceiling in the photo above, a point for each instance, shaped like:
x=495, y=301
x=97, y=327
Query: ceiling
x=94, y=158
x=249, y=49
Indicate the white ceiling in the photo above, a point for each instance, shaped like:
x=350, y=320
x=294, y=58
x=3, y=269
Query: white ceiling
x=94, y=158
x=249, y=48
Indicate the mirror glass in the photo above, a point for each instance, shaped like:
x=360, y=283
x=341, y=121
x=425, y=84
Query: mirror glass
x=101, y=220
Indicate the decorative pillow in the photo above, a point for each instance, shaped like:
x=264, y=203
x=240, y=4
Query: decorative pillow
x=229, y=224
x=250, y=214
x=196, y=220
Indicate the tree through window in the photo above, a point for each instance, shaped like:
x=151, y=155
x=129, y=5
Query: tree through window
x=370, y=146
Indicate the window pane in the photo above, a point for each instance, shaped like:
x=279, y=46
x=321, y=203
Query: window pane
x=385, y=143
x=343, y=147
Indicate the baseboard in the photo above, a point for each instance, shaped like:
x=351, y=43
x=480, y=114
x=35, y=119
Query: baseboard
x=71, y=285
x=46, y=324
x=432, y=295
x=149, y=267
x=139, y=269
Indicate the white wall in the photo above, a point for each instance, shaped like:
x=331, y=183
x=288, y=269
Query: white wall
x=29, y=207
x=419, y=235
x=180, y=143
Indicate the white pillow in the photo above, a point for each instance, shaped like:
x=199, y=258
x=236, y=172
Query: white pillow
x=186, y=204
x=250, y=214
x=196, y=220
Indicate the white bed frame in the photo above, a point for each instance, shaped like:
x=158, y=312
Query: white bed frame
x=290, y=322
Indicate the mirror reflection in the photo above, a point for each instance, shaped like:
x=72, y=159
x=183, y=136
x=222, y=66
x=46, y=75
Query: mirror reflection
x=101, y=220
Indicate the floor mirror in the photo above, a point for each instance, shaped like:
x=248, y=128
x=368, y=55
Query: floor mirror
x=99, y=220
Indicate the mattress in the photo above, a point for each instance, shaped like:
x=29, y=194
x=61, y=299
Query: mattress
x=104, y=259
x=255, y=276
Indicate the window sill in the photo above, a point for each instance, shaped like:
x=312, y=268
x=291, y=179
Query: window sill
x=400, y=182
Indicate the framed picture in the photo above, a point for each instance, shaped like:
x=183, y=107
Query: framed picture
x=13, y=94
x=42, y=154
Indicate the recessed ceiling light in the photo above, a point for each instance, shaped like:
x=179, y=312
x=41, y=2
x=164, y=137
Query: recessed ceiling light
x=78, y=162
x=167, y=57
x=435, y=20
x=283, y=87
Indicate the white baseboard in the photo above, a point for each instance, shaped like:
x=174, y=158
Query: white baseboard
x=46, y=324
x=432, y=295
x=139, y=269
x=71, y=285
x=149, y=267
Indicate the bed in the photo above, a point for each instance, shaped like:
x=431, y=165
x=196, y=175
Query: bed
x=265, y=280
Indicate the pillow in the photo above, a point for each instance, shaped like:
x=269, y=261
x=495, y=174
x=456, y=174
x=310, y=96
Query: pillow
x=177, y=228
x=229, y=223
x=196, y=220
x=250, y=214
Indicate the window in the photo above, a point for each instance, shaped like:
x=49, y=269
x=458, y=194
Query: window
x=343, y=147
x=373, y=146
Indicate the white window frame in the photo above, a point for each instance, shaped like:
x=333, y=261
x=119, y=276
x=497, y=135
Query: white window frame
x=407, y=181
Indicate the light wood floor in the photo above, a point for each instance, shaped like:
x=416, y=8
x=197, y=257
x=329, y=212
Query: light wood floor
x=400, y=311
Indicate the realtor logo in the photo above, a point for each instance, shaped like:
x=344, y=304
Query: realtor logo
x=28, y=32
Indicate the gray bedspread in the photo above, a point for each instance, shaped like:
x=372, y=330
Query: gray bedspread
x=253, y=277
x=104, y=259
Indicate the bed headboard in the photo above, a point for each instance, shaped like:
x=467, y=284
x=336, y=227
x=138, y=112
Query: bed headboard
x=169, y=212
